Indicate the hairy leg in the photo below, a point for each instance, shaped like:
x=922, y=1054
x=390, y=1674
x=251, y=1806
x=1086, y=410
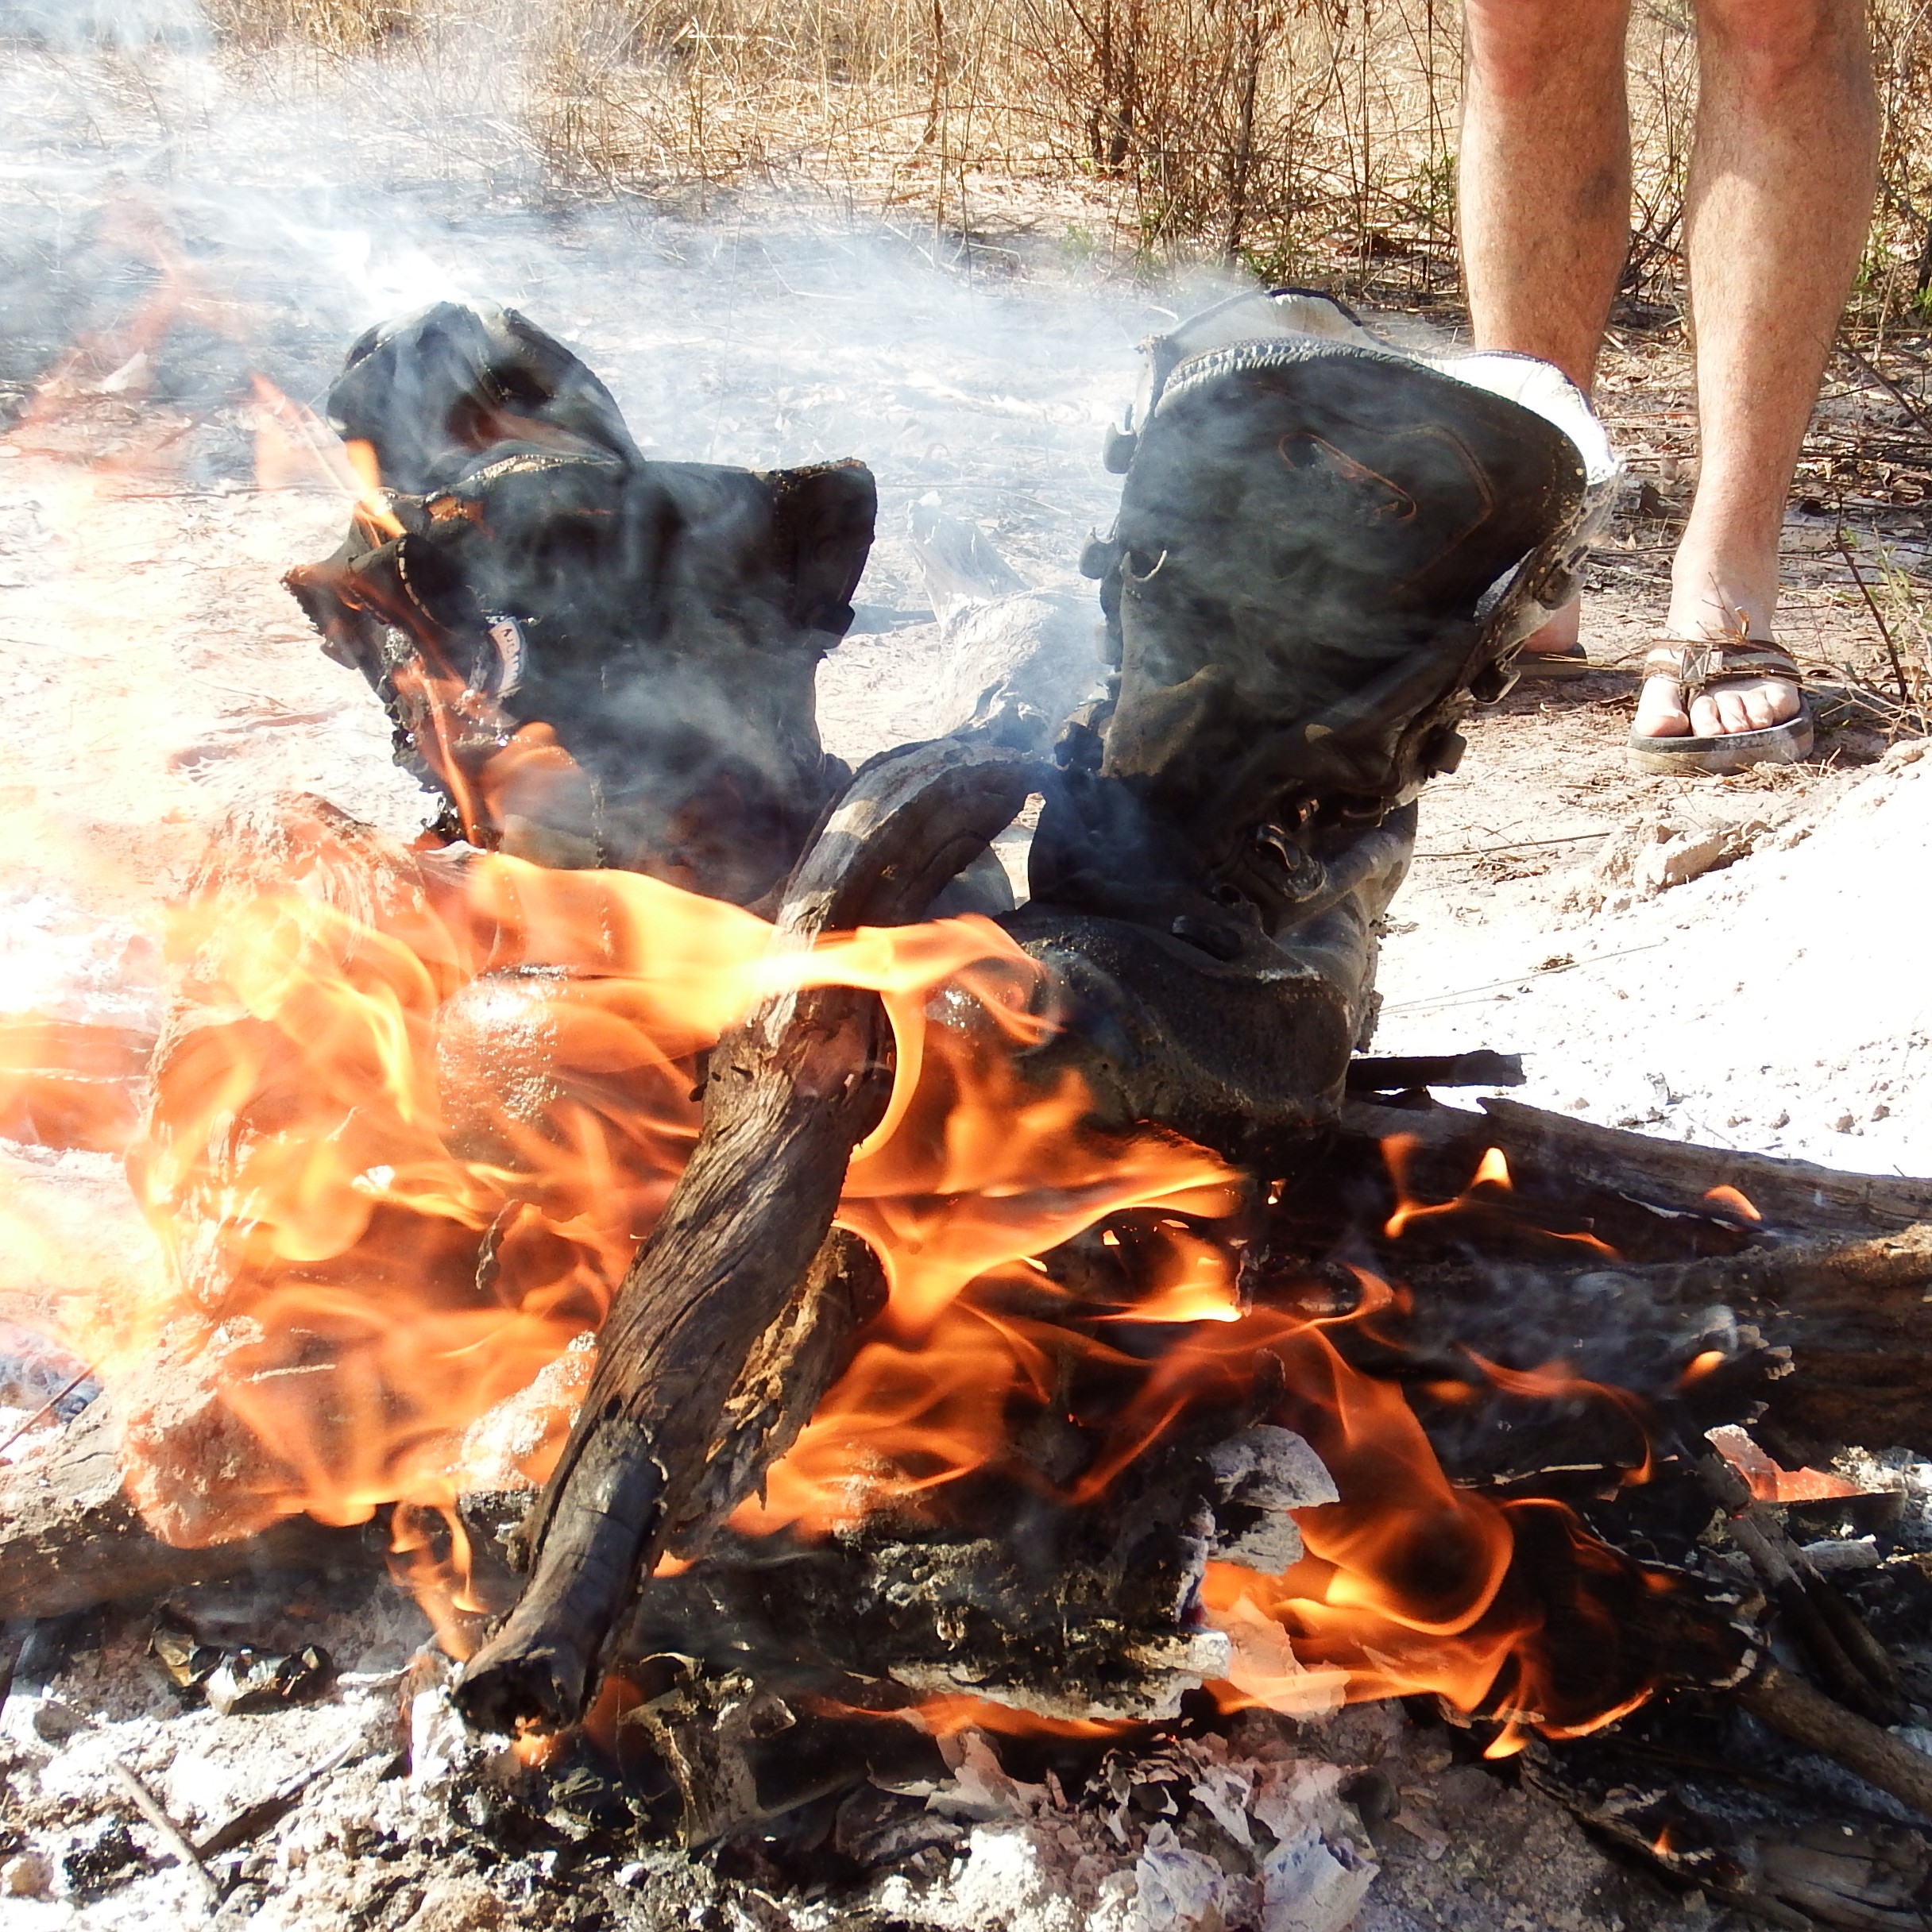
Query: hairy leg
x=1543, y=188
x=1782, y=177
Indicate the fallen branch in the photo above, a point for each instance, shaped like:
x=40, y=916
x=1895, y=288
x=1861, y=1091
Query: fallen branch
x=172, y=1835
x=1857, y=1666
x=1791, y=1193
x=789, y=1094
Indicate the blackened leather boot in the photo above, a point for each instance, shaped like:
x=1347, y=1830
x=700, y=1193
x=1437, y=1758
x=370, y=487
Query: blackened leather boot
x=599, y=659
x=1326, y=552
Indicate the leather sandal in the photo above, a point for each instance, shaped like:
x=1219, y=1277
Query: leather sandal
x=1704, y=664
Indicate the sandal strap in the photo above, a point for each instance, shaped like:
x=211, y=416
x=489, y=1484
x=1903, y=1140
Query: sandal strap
x=1696, y=663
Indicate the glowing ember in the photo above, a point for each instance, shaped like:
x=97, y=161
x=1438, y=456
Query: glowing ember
x=1770, y=1482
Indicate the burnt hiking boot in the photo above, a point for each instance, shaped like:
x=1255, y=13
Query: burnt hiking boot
x=597, y=658
x=1326, y=552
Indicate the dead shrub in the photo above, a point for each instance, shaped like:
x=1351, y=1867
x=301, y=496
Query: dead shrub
x=1304, y=137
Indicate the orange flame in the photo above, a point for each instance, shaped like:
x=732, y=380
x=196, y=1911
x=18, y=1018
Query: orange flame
x=415, y=1113
x=1723, y=1196
x=412, y=1114
x=1492, y=1174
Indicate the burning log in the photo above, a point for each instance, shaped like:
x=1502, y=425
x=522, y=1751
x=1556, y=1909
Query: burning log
x=1832, y=1267
x=64, y=1084
x=1795, y=1194
x=788, y=1095
x=70, y=1537
x=1739, y=1825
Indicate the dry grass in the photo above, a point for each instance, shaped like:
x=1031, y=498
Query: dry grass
x=1311, y=139
x=340, y=27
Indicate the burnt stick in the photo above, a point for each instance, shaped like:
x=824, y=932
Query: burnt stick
x=790, y=1092
x=1806, y=1716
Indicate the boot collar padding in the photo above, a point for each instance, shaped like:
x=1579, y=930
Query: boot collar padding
x=1278, y=315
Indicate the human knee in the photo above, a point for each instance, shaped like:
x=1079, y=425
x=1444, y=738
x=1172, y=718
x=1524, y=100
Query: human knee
x=1519, y=48
x=1771, y=45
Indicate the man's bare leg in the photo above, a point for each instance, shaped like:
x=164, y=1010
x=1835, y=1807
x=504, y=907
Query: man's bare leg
x=1782, y=177
x=1543, y=190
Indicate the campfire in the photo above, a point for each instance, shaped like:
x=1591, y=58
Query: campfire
x=834, y=1351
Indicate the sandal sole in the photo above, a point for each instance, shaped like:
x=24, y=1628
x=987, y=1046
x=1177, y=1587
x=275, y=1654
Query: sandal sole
x=1554, y=664
x=1778, y=744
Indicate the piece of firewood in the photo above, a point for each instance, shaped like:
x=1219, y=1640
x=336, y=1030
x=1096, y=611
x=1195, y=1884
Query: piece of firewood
x=70, y=1538
x=790, y=1093
x=738, y=1755
x=1806, y=1715
x=1838, y=1271
x=1741, y=1831
x=1578, y=1154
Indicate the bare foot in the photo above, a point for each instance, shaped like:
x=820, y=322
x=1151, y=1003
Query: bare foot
x=1751, y=703
x=1559, y=637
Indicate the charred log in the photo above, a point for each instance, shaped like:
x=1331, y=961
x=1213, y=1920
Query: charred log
x=738, y=1755
x=1831, y=1280
x=70, y=1538
x=1558, y=1150
x=1806, y=1715
x=1679, y=1792
x=789, y=1096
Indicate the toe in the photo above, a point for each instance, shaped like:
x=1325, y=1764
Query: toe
x=1660, y=712
x=1734, y=712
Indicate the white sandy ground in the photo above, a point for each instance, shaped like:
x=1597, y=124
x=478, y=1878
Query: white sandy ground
x=1781, y=1004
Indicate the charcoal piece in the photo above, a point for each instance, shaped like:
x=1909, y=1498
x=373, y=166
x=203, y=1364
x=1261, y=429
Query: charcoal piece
x=180, y=1653
x=877, y=1829
x=107, y=1859
x=246, y=1680
x=741, y=1754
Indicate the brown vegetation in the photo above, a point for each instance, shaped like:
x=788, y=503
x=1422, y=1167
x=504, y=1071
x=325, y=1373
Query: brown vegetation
x=1312, y=139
